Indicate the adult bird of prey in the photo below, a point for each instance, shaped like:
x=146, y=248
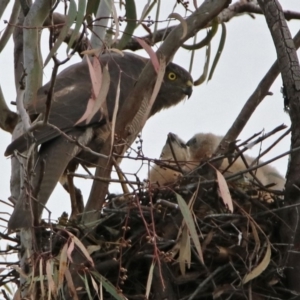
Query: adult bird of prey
x=72, y=92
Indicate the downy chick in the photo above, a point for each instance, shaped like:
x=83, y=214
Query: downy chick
x=162, y=175
x=203, y=145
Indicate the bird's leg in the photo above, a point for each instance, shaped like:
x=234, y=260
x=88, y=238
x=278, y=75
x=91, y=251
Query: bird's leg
x=75, y=194
x=122, y=177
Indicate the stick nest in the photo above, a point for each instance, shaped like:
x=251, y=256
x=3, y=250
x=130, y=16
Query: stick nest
x=145, y=244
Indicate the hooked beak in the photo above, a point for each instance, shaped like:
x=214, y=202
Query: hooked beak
x=171, y=136
x=188, y=89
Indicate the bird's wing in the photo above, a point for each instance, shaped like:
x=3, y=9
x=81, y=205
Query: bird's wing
x=53, y=158
x=72, y=92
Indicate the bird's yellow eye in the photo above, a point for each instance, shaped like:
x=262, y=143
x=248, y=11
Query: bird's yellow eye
x=172, y=76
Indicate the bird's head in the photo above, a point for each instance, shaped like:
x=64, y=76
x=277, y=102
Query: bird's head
x=177, y=84
x=175, y=146
x=203, y=145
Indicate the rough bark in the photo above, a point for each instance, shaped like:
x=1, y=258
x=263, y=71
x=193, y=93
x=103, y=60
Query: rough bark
x=290, y=72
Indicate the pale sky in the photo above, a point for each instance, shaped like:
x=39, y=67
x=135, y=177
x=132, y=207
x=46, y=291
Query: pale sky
x=249, y=52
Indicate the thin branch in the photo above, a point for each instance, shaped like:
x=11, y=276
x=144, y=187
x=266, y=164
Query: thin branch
x=255, y=99
x=140, y=95
x=9, y=29
x=3, y=4
x=102, y=179
x=32, y=54
x=100, y=25
x=271, y=146
x=241, y=7
x=8, y=119
x=226, y=15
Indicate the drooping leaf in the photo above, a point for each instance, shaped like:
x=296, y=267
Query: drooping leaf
x=182, y=21
x=95, y=74
x=100, y=102
x=109, y=287
x=115, y=113
x=70, y=250
x=79, y=20
x=224, y=191
x=260, y=267
x=72, y=12
x=149, y=280
x=88, y=111
x=96, y=79
x=219, y=52
x=70, y=284
x=100, y=83
x=184, y=250
x=95, y=286
x=51, y=284
x=151, y=54
x=146, y=10
x=87, y=286
x=205, y=42
x=202, y=78
x=189, y=220
x=82, y=248
x=63, y=263
x=256, y=239
x=131, y=23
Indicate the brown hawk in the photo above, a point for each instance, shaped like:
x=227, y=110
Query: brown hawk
x=72, y=92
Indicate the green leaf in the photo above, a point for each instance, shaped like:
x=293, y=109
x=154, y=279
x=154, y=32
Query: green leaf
x=146, y=10
x=219, y=52
x=92, y=7
x=109, y=287
x=79, y=20
x=72, y=12
x=210, y=34
x=131, y=24
x=87, y=287
x=203, y=76
x=189, y=220
x=91, y=10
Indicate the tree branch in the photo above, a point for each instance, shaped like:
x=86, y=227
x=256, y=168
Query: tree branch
x=3, y=5
x=8, y=119
x=226, y=15
x=32, y=54
x=142, y=91
x=254, y=100
x=290, y=71
x=100, y=25
x=9, y=29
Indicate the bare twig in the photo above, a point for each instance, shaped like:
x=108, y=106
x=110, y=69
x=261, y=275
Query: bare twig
x=255, y=99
